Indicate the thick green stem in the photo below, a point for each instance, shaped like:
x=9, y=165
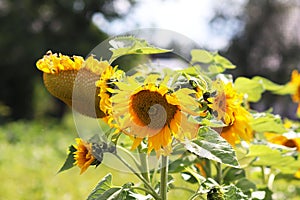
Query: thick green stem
x=263, y=175
x=151, y=190
x=164, y=177
x=144, y=165
x=219, y=173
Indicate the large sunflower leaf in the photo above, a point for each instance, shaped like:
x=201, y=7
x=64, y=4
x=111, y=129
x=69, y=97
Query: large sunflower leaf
x=274, y=156
x=266, y=122
x=273, y=87
x=126, y=45
x=69, y=163
x=212, y=146
x=252, y=88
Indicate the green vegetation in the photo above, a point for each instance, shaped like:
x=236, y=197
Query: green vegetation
x=31, y=154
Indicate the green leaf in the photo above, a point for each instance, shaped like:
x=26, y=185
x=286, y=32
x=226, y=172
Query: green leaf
x=212, y=146
x=252, y=88
x=105, y=191
x=202, y=56
x=181, y=163
x=246, y=185
x=275, y=156
x=69, y=163
x=104, y=185
x=273, y=87
x=224, y=62
x=233, y=174
x=234, y=193
x=267, y=122
x=126, y=45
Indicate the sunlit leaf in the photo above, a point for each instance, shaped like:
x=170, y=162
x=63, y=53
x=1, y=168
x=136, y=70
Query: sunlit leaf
x=275, y=156
x=126, y=45
x=252, y=88
x=224, y=62
x=212, y=146
x=202, y=56
x=273, y=87
x=69, y=163
x=266, y=122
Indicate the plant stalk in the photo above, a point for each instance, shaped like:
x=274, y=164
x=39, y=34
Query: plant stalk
x=164, y=177
x=151, y=190
x=219, y=173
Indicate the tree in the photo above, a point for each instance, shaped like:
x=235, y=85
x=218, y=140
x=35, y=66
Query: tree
x=269, y=46
x=30, y=28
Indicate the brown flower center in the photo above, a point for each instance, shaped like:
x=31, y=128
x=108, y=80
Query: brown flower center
x=290, y=143
x=152, y=109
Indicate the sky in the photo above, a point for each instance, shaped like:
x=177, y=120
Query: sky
x=188, y=17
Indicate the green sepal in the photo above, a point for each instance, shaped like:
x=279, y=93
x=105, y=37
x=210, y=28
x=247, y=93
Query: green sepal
x=127, y=45
x=69, y=163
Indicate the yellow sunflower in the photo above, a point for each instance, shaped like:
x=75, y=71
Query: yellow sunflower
x=228, y=106
x=83, y=155
x=72, y=80
x=295, y=83
x=106, y=82
x=283, y=140
x=151, y=110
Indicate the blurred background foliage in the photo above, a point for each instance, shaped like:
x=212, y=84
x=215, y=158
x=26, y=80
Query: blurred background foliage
x=265, y=42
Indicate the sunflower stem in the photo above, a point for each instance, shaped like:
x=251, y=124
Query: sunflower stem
x=151, y=190
x=164, y=177
x=144, y=165
x=219, y=173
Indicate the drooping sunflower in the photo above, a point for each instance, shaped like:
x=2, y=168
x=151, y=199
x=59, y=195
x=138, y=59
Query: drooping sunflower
x=72, y=80
x=285, y=141
x=152, y=110
x=228, y=105
x=83, y=155
x=295, y=83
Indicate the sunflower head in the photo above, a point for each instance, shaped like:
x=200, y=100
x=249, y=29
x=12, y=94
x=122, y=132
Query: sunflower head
x=283, y=140
x=295, y=84
x=227, y=104
x=83, y=155
x=149, y=110
x=72, y=80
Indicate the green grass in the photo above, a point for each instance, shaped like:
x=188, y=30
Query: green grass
x=33, y=152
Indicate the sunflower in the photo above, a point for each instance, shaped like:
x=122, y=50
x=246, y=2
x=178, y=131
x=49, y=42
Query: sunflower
x=285, y=141
x=152, y=110
x=227, y=104
x=83, y=155
x=106, y=82
x=72, y=80
x=295, y=83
